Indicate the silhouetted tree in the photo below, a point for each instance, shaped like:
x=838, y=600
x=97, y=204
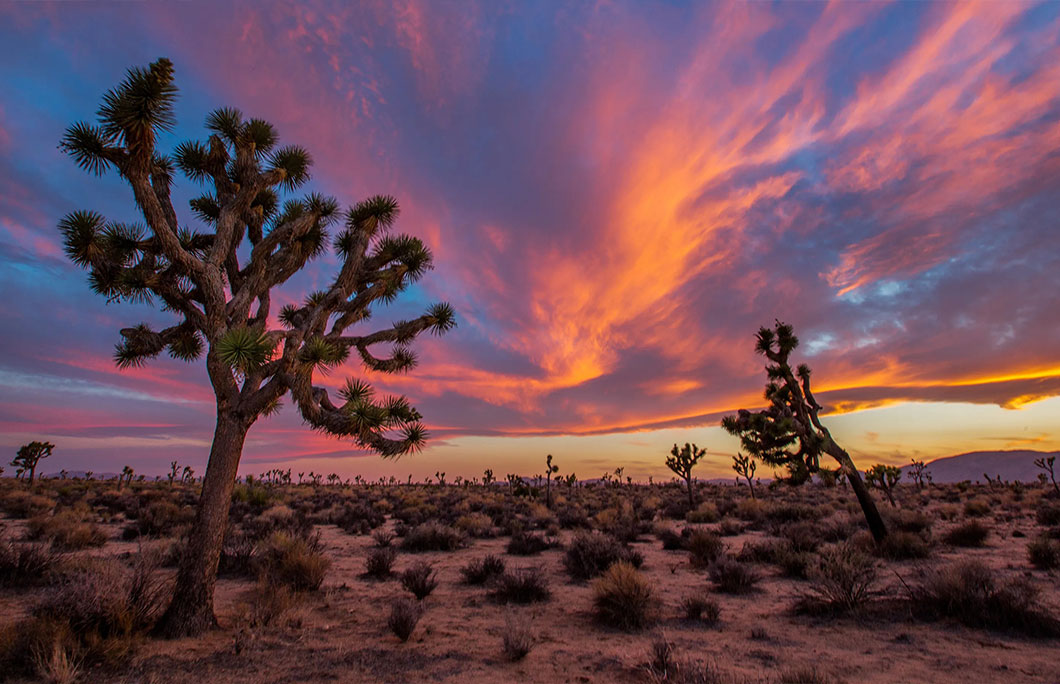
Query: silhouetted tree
x=218, y=282
x=549, y=471
x=1046, y=464
x=745, y=467
x=682, y=461
x=791, y=419
x=884, y=478
x=917, y=472
x=29, y=455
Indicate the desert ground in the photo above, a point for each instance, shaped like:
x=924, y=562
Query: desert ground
x=627, y=585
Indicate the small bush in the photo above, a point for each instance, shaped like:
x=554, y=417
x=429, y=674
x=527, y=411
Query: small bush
x=1044, y=553
x=1048, y=514
x=908, y=520
x=161, y=518
x=707, y=512
x=477, y=525
x=900, y=545
x=701, y=609
x=803, y=675
x=703, y=548
x=969, y=593
x=976, y=508
x=380, y=562
x=970, y=534
x=296, y=562
x=802, y=535
x=843, y=581
x=526, y=544
x=382, y=538
x=671, y=539
x=433, y=536
x=58, y=665
x=420, y=578
x=405, y=614
x=269, y=605
x=518, y=638
x=66, y=530
x=588, y=555
x=24, y=565
x=623, y=597
x=525, y=585
x=482, y=570
x=730, y=576
x=22, y=504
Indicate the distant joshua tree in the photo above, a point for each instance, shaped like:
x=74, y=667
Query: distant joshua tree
x=550, y=470
x=792, y=418
x=218, y=284
x=745, y=467
x=682, y=461
x=28, y=456
x=1047, y=464
x=885, y=478
x=487, y=477
x=918, y=474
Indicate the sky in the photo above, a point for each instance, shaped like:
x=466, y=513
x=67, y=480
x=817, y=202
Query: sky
x=617, y=195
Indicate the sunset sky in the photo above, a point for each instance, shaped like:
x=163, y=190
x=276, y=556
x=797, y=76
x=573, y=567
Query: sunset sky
x=617, y=195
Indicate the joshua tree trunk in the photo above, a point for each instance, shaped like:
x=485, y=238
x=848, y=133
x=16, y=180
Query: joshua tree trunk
x=868, y=505
x=691, y=493
x=191, y=611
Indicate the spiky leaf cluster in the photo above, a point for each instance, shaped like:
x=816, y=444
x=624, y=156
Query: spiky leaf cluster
x=254, y=235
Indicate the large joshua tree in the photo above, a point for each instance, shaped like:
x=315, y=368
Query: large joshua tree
x=217, y=283
x=792, y=419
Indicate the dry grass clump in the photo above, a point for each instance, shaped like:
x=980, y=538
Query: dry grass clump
x=704, y=547
x=22, y=504
x=482, y=570
x=379, y=563
x=66, y=530
x=295, y=562
x=159, y=519
x=24, y=565
x=57, y=665
x=270, y=605
x=706, y=512
x=702, y=609
x=730, y=576
x=404, y=615
x=665, y=666
x=1044, y=553
x=478, y=525
x=623, y=597
x=970, y=534
x=420, y=579
x=525, y=543
x=523, y=585
x=518, y=637
x=902, y=545
x=969, y=593
x=433, y=536
x=590, y=554
x=844, y=581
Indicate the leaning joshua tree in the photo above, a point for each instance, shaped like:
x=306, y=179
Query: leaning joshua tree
x=29, y=455
x=218, y=282
x=682, y=461
x=792, y=418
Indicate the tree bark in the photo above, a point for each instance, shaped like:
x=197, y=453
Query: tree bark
x=191, y=610
x=691, y=494
x=868, y=504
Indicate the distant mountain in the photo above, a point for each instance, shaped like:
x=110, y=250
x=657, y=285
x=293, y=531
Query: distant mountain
x=1010, y=465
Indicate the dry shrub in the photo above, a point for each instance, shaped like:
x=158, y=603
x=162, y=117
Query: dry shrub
x=433, y=536
x=66, y=530
x=907, y=520
x=57, y=665
x=518, y=637
x=843, y=582
x=404, y=615
x=703, y=548
x=969, y=593
x=1044, y=553
x=420, y=579
x=701, y=609
x=271, y=606
x=380, y=562
x=970, y=534
x=976, y=508
x=802, y=536
x=295, y=562
x=623, y=597
x=803, y=675
x=382, y=538
x=524, y=585
x=706, y=512
x=478, y=525
x=750, y=510
x=901, y=545
x=590, y=554
x=730, y=576
x=160, y=519
x=482, y=570
x=24, y=565
x=527, y=544
x=1048, y=513
x=22, y=504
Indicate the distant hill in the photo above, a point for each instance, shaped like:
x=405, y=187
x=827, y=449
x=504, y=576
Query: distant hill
x=1010, y=465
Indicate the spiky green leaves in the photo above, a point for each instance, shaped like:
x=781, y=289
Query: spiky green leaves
x=87, y=145
x=193, y=158
x=443, y=317
x=294, y=161
x=373, y=214
x=228, y=123
x=245, y=349
x=186, y=347
x=320, y=354
x=144, y=100
x=81, y=231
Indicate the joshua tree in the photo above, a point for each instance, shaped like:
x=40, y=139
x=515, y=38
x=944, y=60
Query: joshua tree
x=682, y=461
x=885, y=478
x=1045, y=463
x=173, y=470
x=217, y=282
x=745, y=467
x=487, y=477
x=549, y=471
x=917, y=473
x=29, y=456
x=125, y=476
x=792, y=418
